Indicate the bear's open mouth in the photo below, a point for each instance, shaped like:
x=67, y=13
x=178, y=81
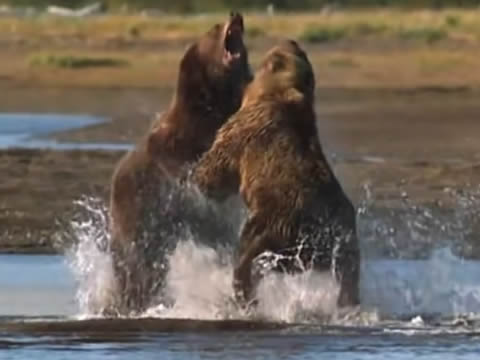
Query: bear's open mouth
x=233, y=35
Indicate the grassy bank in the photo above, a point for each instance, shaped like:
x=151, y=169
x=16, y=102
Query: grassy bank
x=380, y=48
x=397, y=68
x=189, y=6
x=420, y=24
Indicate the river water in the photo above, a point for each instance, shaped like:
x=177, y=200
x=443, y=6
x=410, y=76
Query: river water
x=412, y=306
x=411, y=309
x=27, y=130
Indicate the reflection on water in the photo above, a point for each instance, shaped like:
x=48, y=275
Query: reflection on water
x=30, y=130
x=41, y=124
x=293, y=343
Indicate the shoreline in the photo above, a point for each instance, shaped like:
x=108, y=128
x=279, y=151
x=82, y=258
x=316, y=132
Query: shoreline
x=409, y=104
x=423, y=156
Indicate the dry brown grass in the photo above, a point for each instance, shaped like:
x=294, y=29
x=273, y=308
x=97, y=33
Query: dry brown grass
x=379, y=48
x=458, y=23
x=338, y=68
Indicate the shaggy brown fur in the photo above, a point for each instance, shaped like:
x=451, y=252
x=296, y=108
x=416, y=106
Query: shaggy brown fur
x=212, y=77
x=270, y=152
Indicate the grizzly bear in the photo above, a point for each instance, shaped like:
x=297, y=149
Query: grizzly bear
x=213, y=74
x=269, y=152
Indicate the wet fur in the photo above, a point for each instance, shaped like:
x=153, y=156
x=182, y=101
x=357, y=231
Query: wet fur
x=270, y=153
x=144, y=215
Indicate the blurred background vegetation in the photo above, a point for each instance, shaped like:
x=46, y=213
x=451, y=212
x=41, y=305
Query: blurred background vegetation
x=361, y=43
x=188, y=6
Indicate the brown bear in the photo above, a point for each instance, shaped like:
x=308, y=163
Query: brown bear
x=213, y=75
x=269, y=152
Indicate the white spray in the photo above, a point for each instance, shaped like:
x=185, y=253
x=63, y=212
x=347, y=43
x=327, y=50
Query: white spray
x=200, y=277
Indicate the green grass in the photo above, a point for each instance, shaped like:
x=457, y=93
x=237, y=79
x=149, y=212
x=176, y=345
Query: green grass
x=365, y=29
x=134, y=31
x=426, y=25
x=452, y=20
x=75, y=62
x=330, y=33
x=323, y=34
x=427, y=34
x=254, y=31
x=342, y=62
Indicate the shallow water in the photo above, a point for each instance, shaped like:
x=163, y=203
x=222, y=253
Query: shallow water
x=412, y=308
x=416, y=308
x=294, y=343
x=39, y=317
x=25, y=130
x=36, y=285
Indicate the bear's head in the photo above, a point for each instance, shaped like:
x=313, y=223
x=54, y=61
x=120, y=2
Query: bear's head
x=285, y=74
x=212, y=77
x=215, y=69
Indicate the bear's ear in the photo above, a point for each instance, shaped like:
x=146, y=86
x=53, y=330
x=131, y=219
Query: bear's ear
x=292, y=95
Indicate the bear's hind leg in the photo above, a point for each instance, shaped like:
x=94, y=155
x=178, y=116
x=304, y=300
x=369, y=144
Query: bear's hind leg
x=254, y=239
x=347, y=273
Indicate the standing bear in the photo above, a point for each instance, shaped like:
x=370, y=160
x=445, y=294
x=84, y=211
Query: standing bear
x=270, y=153
x=212, y=78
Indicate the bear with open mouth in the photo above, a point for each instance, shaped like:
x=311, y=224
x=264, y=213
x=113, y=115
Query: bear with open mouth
x=212, y=77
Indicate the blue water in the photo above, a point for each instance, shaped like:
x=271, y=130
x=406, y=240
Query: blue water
x=23, y=130
x=250, y=345
x=41, y=290
x=412, y=309
x=39, y=285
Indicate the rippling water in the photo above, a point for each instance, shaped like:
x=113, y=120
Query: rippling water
x=293, y=343
x=420, y=298
x=411, y=308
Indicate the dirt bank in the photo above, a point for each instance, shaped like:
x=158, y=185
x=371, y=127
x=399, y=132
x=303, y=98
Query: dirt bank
x=420, y=143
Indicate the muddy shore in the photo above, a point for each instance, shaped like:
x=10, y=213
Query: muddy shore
x=415, y=143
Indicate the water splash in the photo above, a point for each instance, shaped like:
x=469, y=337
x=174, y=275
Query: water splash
x=199, y=281
x=442, y=286
x=308, y=297
x=411, y=266
x=88, y=257
x=431, y=243
x=200, y=285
